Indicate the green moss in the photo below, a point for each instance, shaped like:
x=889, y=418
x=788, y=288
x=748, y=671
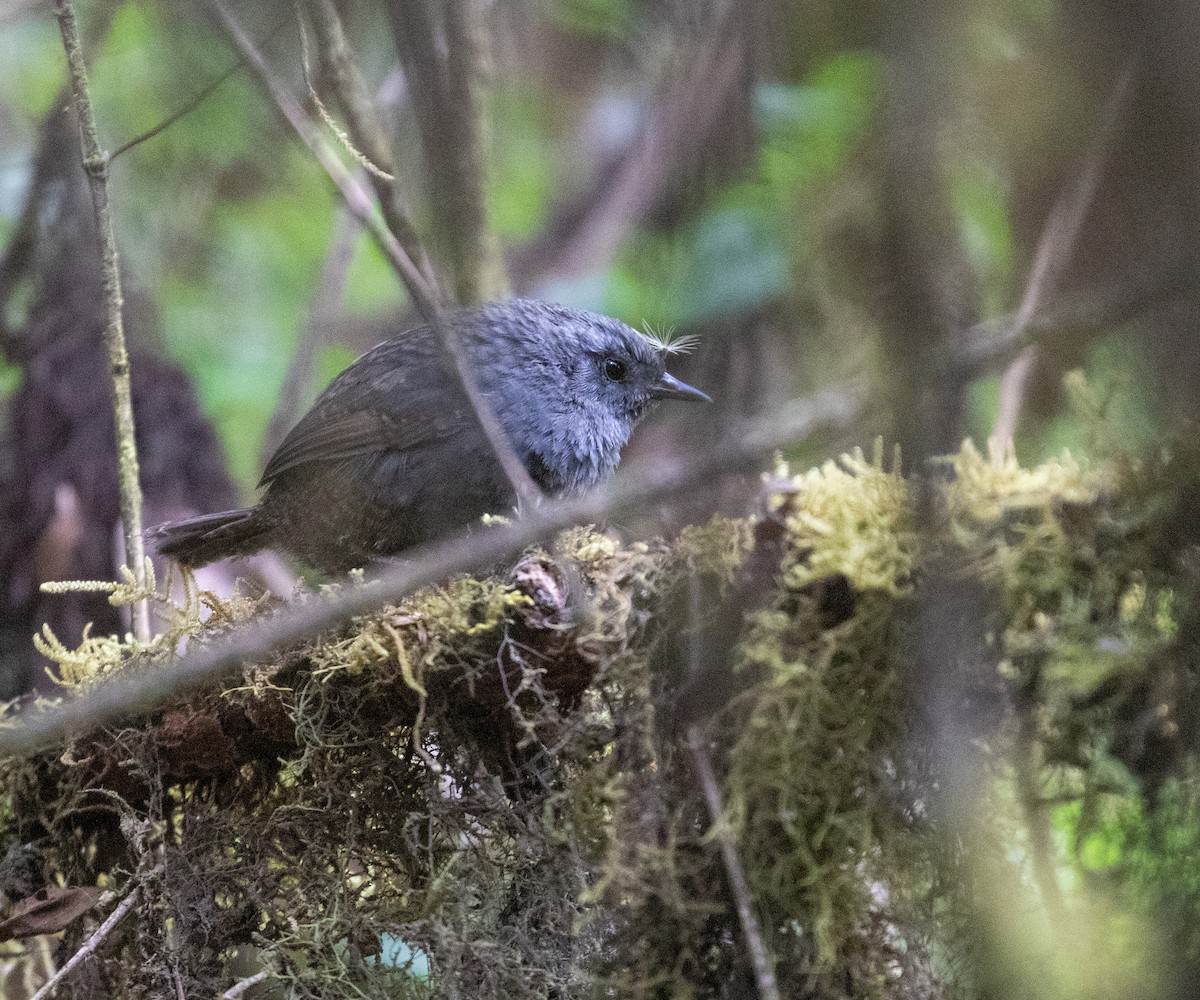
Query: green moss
x=488, y=772
x=850, y=517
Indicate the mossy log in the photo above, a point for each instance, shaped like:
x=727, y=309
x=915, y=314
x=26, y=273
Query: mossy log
x=482, y=791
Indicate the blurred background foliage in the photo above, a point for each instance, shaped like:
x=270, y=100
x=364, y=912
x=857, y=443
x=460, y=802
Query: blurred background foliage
x=224, y=220
x=755, y=223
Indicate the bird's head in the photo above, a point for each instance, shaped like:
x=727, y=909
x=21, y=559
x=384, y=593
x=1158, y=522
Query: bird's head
x=569, y=386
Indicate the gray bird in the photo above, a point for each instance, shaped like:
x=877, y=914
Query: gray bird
x=391, y=454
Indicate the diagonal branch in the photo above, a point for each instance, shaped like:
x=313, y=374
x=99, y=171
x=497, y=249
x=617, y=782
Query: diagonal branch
x=89, y=946
x=95, y=165
x=999, y=339
x=242, y=985
x=735, y=871
x=366, y=131
x=361, y=207
x=135, y=690
x=583, y=235
x=172, y=118
x=357, y=200
x=1053, y=253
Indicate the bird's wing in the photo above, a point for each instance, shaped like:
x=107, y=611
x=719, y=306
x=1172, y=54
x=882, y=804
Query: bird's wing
x=320, y=437
x=396, y=397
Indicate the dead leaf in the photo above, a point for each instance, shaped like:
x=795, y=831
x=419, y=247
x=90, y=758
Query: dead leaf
x=48, y=911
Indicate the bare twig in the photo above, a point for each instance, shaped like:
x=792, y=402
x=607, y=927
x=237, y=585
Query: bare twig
x=445, y=100
x=365, y=129
x=360, y=205
x=89, y=946
x=999, y=339
x=368, y=132
x=140, y=690
x=584, y=235
x=760, y=959
x=1027, y=769
x=240, y=987
x=95, y=164
x=1054, y=250
x=1012, y=396
x=171, y=119
x=735, y=872
x=528, y=493
x=356, y=198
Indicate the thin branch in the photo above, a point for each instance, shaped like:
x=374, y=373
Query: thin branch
x=1013, y=383
x=89, y=946
x=449, y=117
x=365, y=129
x=318, y=106
x=95, y=164
x=240, y=987
x=134, y=690
x=1066, y=218
x=1027, y=769
x=340, y=255
x=735, y=873
x=528, y=493
x=999, y=339
x=356, y=198
x=760, y=959
x=361, y=206
x=583, y=235
x=1054, y=250
x=171, y=119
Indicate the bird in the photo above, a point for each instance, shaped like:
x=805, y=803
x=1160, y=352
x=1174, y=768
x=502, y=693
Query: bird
x=392, y=455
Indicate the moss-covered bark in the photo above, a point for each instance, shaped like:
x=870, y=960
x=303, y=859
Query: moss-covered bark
x=483, y=791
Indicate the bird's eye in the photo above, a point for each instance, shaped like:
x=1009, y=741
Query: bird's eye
x=614, y=370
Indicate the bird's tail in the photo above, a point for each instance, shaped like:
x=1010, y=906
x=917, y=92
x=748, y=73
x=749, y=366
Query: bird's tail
x=196, y=541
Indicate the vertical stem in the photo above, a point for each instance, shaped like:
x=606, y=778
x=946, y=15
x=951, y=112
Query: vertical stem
x=88, y=948
x=1028, y=758
x=1055, y=248
x=95, y=164
x=446, y=91
x=357, y=200
x=366, y=130
x=479, y=269
x=760, y=958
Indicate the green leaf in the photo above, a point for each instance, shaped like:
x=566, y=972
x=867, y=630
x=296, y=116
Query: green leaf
x=737, y=264
x=592, y=17
x=982, y=208
x=810, y=129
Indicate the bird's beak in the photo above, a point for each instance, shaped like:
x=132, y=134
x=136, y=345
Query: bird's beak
x=669, y=387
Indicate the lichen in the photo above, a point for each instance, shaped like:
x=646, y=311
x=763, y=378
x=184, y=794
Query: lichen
x=850, y=517
x=481, y=790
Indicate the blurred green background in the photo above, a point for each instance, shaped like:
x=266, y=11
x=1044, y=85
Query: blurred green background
x=642, y=163
x=224, y=220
